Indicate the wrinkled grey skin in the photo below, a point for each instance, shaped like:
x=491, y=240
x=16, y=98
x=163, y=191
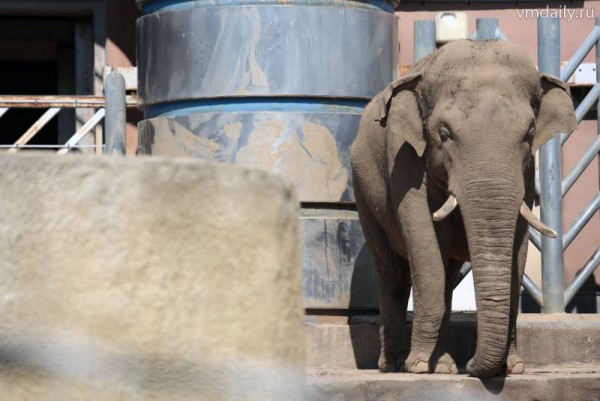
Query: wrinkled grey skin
x=466, y=122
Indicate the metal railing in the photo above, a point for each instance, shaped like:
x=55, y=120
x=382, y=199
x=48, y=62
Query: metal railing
x=110, y=108
x=552, y=188
x=552, y=297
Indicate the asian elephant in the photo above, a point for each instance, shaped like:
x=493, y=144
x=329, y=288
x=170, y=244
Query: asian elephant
x=443, y=173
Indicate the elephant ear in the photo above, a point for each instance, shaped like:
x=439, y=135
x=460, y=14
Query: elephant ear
x=556, y=112
x=399, y=110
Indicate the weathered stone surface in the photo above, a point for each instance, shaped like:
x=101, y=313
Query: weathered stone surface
x=147, y=279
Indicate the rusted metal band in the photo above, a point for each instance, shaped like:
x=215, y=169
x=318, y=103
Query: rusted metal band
x=27, y=101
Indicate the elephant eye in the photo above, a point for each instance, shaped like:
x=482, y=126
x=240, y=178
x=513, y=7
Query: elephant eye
x=445, y=134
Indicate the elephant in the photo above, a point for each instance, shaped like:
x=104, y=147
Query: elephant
x=443, y=173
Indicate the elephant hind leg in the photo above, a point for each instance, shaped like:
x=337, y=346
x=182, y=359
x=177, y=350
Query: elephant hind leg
x=393, y=273
x=394, y=291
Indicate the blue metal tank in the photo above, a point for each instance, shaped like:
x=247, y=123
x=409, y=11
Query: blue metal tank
x=278, y=84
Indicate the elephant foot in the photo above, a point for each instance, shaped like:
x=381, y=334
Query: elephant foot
x=390, y=364
x=445, y=365
x=514, y=365
x=476, y=369
x=419, y=364
x=388, y=367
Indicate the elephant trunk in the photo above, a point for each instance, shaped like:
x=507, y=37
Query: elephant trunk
x=490, y=209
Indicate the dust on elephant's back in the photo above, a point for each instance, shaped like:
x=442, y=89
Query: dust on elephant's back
x=304, y=152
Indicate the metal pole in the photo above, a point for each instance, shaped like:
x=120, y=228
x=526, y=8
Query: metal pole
x=582, y=276
x=583, y=50
x=586, y=215
x=424, y=39
x=550, y=179
x=598, y=80
x=486, y=28
x=116, y=112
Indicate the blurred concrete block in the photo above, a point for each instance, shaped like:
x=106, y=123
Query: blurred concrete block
x=148, y=279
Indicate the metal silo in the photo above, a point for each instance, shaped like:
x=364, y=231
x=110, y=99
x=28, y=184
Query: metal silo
x=278, y=84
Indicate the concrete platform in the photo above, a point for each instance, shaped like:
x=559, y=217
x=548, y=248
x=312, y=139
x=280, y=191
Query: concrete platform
x=573, y=383
x=353, y=342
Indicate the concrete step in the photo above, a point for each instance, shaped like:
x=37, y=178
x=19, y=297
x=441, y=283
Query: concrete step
x=353, y=342
x=566, y=383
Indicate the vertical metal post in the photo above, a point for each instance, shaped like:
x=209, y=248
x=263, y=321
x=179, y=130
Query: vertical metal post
x=116, y=112
x=598, y=80
x=550, y=179
x=424, y=39
x=486, y=28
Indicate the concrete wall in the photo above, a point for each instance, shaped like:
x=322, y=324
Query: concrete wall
x=147, y=279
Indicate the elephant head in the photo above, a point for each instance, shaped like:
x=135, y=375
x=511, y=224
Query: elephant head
x=477, y=112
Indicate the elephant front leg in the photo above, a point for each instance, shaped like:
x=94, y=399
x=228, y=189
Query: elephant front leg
x=445, y=363
x=428, y=278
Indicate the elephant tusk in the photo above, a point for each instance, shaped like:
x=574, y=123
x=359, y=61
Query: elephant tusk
x=446, y=209
x=535, y=222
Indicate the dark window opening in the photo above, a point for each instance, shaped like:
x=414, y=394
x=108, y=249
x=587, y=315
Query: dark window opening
x=27, y=78
x=37, y=57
